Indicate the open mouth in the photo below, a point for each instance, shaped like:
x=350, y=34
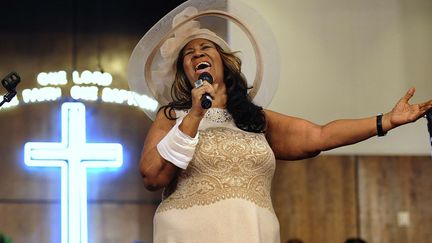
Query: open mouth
x=202, y=67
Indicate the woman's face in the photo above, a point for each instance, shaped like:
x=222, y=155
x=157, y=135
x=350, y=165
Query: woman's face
x=199, y=56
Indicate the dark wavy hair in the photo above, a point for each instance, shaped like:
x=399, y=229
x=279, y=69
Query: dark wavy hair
x=247, y=116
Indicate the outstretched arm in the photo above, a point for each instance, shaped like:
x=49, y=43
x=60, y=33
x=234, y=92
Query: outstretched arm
x=294, y=138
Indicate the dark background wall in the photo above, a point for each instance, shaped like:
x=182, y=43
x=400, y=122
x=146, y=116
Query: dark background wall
x=321, y=200
x=48, y=36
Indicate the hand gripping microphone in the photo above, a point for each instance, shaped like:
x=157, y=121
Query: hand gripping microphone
x=206, y=99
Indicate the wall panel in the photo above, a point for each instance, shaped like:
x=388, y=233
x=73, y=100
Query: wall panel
x=30, y=222
x=389, y=186
x=315, y=199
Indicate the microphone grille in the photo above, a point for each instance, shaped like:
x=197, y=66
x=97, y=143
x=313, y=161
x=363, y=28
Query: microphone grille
x=11, y=81
x=206, y=76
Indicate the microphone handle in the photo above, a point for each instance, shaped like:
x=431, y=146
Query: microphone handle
x=206, y=101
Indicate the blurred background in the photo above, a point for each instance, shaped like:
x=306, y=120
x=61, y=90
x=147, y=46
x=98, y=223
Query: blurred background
x=339, y=59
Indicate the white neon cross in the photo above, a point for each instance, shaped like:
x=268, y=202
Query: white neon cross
x=73, y=155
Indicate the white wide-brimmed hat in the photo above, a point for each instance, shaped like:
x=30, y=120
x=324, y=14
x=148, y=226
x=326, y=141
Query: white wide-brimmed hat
x=152, y=65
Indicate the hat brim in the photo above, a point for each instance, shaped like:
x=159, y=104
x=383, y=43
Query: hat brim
x=259, y=35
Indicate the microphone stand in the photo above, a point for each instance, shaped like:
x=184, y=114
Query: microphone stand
x=8, y=97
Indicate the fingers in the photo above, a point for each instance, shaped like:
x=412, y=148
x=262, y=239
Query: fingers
x=199, y=91
x=409, y=94
x=206, y=88
x=425, y=107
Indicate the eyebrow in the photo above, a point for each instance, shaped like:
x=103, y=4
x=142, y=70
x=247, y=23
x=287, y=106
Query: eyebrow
x=201, y=44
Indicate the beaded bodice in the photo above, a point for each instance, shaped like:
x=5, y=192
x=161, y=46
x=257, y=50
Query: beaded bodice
x=228, y=163
x=218, y=115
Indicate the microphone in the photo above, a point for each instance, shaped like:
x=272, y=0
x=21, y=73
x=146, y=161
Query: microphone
x=10, y=82
x=206, y=99
x=429, y=124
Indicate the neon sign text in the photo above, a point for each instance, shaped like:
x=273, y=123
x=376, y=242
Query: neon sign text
x=87, y=77
x=84, y=92
x=42, y=94
x=120, y=96
x=86, y=89
x=52, y=78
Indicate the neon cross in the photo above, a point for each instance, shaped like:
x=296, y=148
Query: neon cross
x=73, y=155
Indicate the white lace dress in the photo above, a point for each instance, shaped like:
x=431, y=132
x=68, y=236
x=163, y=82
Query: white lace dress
x=224, y=194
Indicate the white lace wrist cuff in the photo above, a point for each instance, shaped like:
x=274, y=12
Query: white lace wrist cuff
x=177, y=147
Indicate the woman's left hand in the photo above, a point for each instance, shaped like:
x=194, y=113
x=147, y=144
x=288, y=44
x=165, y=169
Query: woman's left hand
x=405, y=112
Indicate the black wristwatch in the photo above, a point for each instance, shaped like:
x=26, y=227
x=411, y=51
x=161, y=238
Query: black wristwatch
x=380, y=131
